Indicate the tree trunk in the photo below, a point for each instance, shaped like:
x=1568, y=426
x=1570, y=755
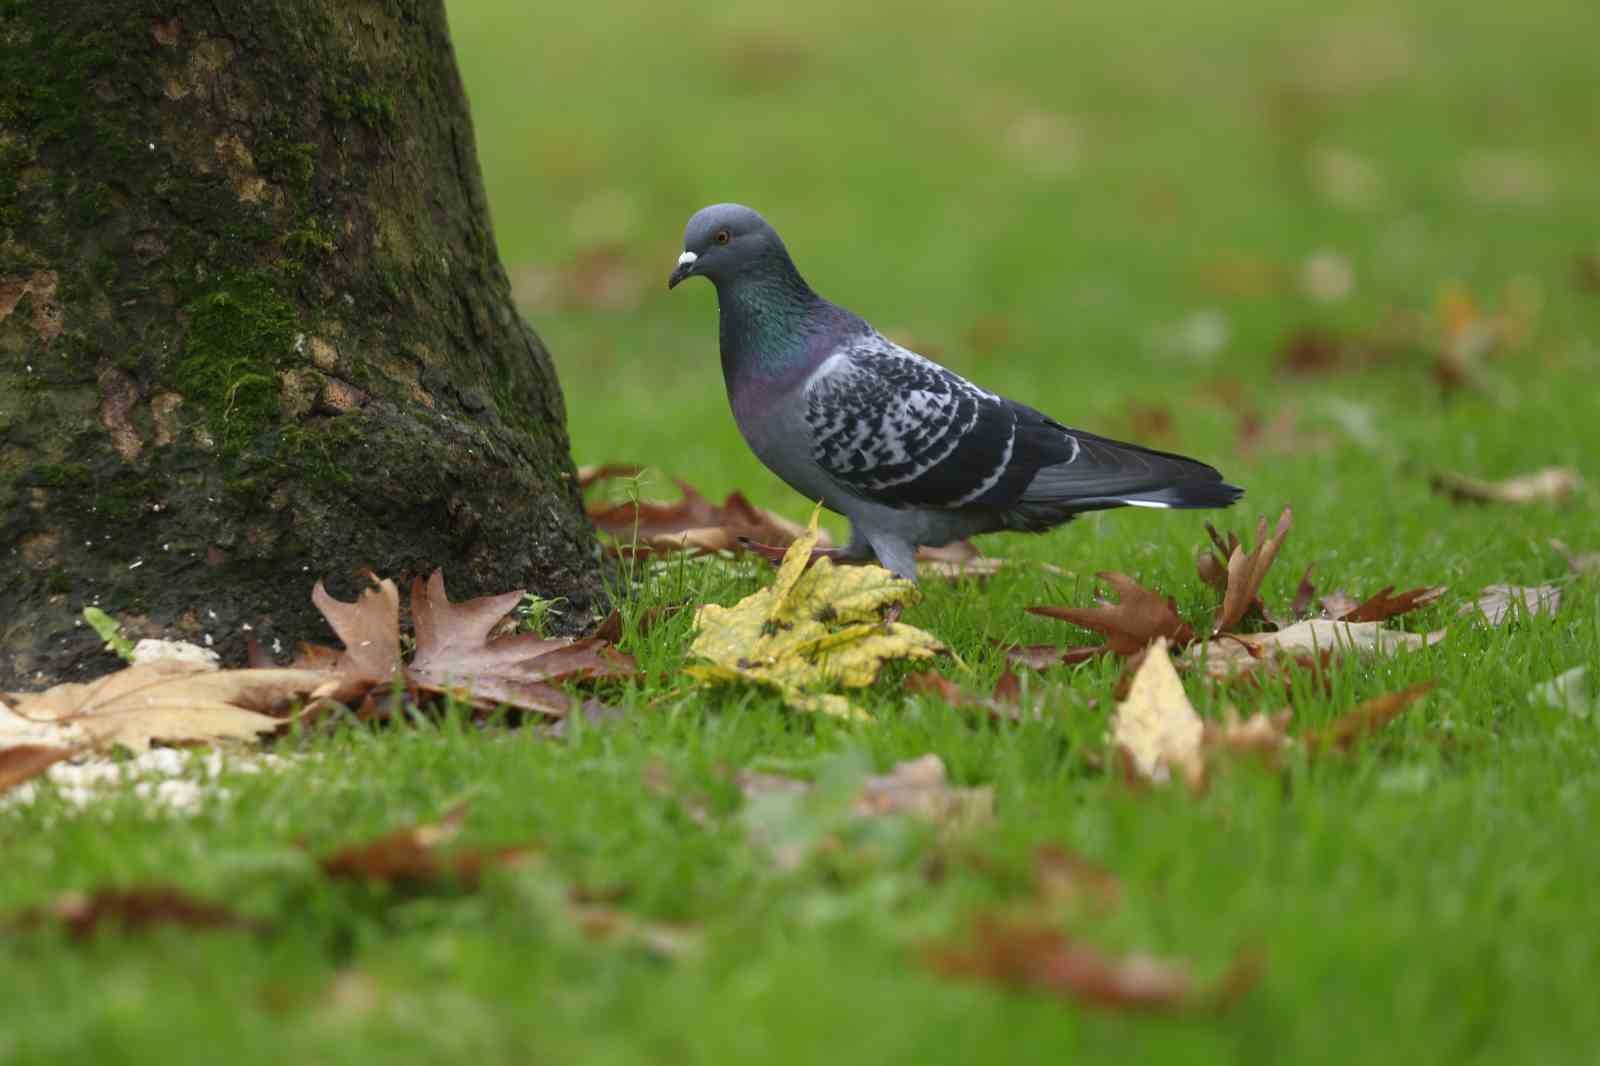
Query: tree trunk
x=254, y=329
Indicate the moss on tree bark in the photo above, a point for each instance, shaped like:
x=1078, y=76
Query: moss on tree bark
x=254, y=329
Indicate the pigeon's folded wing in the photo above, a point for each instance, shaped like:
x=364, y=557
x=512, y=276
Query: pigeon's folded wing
x=903, y=431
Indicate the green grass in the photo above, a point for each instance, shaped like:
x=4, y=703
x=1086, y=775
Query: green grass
x=1429, y=900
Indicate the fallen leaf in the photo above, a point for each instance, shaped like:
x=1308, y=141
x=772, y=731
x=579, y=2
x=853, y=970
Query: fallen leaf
x=1043, y=959
x=1231, y=656
x=369, y=628
x=1338, y=603
x=610, y=925
x=1578, y=562
x=1247, y=570
x=1499, y=604
x=24, y=762
x=1313, y=350
x=610, y=628
x=692, y=524
x=1140, y=617
x=1366, y=719
x=1383, y=604
x=1261, y=736
x=1553, y=484
x=919, y=787
x=1044, y=656
x=455, y=651
x=412, y=858
x=1281, y=435
x=130, y=910
x=170, y=701
x=1304, y=593
x=815, y=624
x=1156, y=724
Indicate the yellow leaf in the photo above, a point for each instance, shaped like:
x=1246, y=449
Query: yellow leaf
x=822, y=625
x=1156, y=724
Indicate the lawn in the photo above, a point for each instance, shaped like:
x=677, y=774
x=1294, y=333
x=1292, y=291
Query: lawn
x=1116, y=212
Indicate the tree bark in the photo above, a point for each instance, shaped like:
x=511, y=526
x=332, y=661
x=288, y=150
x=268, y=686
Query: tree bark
x=254, y=329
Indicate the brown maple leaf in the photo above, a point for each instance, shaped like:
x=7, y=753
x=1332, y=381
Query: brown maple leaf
x=1040, y=958
x=1140, y=617
x=1246, y=571
x=369, y=628
x=1384, y=604
x=456, y=651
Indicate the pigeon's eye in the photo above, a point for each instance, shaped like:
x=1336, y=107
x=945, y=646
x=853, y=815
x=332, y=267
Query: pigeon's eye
x=721, y=237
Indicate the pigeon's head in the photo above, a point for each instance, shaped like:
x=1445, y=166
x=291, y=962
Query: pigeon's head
x=724, y=240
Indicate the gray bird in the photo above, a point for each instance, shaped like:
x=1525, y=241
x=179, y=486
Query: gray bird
x=910, y=452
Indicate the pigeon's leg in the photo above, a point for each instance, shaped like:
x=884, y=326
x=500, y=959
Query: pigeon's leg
x=858, y=550
x=895, y=554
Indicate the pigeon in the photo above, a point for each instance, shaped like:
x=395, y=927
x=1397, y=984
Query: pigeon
x=909, y=451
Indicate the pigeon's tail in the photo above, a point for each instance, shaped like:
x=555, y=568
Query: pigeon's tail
x=1104, y=473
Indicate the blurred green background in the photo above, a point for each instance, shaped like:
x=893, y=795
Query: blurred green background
x=1091, y=206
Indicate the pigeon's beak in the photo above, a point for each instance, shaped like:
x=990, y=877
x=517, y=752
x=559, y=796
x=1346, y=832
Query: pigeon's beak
x=684, y=268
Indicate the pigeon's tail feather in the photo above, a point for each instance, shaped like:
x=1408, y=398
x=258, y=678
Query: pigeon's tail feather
x=1105, y=473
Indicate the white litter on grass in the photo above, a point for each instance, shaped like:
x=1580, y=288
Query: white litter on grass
x=169, y=779
x=150, y=650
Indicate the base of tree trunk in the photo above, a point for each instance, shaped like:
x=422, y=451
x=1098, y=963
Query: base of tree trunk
x=254, y=330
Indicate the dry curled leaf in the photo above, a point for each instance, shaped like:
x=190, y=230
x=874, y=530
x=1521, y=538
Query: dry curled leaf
x=1344, y=732
x=1141, y=616
x=1499, y=604
x=692, y=524
x=169, y=701
x=1044, y=656
x=1246, y=571
x=24, y=762
x=815, y=624
x=1043, y=959
x=1553, y=484
x=456, y=650
x=414, y=857
x=920, y=787
x=130, y=910
x=1261, y=736
x=1156, y=725
x=1385, y=604
x=1003, y=704
x=1232, y=656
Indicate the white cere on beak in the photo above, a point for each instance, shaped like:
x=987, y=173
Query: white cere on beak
x=686, y=258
